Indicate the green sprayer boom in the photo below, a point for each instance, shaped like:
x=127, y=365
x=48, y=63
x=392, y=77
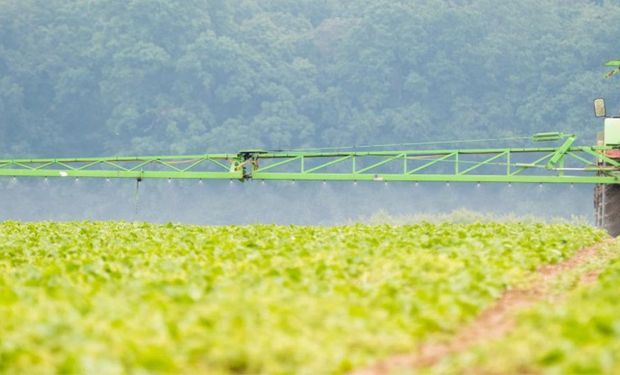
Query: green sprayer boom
x=563, y=163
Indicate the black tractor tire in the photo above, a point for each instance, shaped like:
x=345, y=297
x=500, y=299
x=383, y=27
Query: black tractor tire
x=607, y=208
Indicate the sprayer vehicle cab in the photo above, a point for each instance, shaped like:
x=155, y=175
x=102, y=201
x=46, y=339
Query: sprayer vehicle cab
x=611, y=130
x=610, y=136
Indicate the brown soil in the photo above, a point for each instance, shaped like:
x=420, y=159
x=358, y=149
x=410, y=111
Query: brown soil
x=493, y=322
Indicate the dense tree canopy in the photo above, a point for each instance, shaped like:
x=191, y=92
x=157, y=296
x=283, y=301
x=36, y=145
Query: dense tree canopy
x=102, y=77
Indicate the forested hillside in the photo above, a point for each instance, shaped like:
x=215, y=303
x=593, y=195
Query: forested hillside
x=177, y=76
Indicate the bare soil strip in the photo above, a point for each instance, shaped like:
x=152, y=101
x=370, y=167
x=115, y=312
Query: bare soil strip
x=496, y=320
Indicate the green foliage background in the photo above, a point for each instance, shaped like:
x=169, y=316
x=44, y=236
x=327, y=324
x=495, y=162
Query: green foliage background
x=174, y=76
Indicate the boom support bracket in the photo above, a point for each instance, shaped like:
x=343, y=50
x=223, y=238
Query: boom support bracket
x=558, y=155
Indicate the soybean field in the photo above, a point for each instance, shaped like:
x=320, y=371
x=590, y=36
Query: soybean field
x=114, y=297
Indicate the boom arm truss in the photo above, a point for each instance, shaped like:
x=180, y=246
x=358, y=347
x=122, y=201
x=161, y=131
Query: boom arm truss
x=562, y=164
x=587, y=165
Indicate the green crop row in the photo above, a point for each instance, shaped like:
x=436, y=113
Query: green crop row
x=129, y=298
x=580, y=335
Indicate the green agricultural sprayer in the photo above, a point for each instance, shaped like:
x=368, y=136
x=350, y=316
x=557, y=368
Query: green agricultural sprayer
x=554, y=158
